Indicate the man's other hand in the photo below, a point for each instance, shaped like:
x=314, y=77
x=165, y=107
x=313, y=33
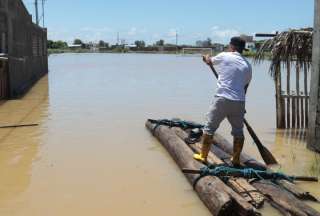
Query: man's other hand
x=207, y=59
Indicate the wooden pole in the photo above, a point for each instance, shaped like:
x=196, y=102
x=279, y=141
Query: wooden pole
x=306, y=93
x=288, y=98
x=279, y=101
x=314, y=115
x=298, y=93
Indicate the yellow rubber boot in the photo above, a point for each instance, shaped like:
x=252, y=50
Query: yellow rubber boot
x=237, y=149
x=207, y=141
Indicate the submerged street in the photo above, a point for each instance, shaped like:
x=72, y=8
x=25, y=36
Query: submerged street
x=91, y=154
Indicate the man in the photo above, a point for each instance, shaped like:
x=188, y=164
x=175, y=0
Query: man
x=234, y=76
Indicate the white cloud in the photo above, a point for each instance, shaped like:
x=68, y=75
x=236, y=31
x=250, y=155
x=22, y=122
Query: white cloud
x=223, y=35
x=132, y=31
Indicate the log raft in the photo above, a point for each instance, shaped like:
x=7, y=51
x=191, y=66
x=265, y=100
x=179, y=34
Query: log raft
x=239, y=185
x=218, y=197
x=231, y=197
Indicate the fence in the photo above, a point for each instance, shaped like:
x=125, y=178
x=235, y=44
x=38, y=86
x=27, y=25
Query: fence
x=25, y=45
x=292, y=105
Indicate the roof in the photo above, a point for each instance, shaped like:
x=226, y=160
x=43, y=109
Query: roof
x=285, y=47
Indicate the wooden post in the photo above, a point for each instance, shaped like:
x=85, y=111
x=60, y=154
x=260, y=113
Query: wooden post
x=288, y=98
x=279, y=101
x=306, y=110
x=314, y=115
x=298, y=93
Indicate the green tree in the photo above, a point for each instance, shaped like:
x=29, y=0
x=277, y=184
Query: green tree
x=103, y=44
x=207, y=43
x=56, y=44
x=140, y=43
x=160, y=42
x=77, y=42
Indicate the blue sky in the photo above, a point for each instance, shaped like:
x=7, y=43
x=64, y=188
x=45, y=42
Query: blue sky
x=151, y=20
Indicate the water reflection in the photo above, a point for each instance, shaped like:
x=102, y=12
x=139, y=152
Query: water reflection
x=19, y=146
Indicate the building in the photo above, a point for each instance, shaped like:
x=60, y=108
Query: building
x=75, y=46
x=23, y=46
x=250, y=44
x=217, y=47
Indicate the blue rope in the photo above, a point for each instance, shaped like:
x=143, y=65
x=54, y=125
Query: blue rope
x=224, y=172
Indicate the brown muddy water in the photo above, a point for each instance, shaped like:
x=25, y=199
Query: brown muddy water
x=91, y=155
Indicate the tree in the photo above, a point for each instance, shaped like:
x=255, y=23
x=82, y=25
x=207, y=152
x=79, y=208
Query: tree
x=207, y=43
x=77, y=42
x=160, y=42
x=103, y=44
x=56, y=44
x=140, y=44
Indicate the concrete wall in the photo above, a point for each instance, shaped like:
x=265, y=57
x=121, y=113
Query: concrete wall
x=26, y=46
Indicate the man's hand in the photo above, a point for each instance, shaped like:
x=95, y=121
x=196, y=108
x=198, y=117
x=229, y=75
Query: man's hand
x=207, y=59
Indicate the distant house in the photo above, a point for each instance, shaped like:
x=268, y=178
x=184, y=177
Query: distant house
x=217, y=47
x=75, y=46
x=130, y=46
x=250, y=44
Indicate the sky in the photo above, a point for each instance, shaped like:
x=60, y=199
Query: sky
x=151, y=20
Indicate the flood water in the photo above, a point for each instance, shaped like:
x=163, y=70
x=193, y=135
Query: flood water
x=91, y=155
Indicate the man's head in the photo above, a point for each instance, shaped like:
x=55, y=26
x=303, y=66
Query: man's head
x=237, y=44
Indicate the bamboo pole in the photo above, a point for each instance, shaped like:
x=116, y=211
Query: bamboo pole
x=288, y=93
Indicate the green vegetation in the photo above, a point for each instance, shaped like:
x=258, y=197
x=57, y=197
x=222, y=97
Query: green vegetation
x=57, y=44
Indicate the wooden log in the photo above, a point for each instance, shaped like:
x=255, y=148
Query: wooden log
x=284, y=201
x=220, y=199
x=226, y=147
x=239, y=185
x=297, y=192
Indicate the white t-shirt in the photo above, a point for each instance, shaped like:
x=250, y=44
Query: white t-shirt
x=234, y=72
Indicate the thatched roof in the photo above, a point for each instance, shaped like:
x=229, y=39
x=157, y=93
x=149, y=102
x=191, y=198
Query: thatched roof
x=288, y=46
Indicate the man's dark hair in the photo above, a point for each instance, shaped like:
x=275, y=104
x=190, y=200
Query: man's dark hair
x=238, y=43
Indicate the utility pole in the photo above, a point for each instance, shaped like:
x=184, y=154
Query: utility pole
x=43, y=13
x=118, y=38
x=176, y=38
x=176, y=42
x=37, y=12
x=314, y=110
